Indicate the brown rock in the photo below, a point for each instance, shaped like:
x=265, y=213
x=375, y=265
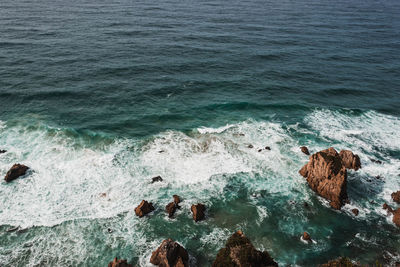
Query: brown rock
x=156, y=179
x=387, y=207
x=350, y=160
x=144, y=208
x=170, y=254
x=198, y=212
x=171, y=208
x=304, y=149
x=355, y=211
x=340, y=262
x=396, y=197
x=119, y=263
x=239, y=252
x=327, y=176
x=396, y=217
x=177, y=199
x=307, y=237
x=16, y=171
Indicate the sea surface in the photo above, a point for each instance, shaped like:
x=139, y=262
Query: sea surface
x=100, y=96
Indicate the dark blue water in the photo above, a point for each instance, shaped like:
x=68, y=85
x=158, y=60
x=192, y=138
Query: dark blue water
x=92, y=91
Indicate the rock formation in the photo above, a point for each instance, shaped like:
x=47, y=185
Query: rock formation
x=170, y=254
x=156, y=179
x=355, y=211
x=144, y=208
x=306, y=237
x=198, y=212
x=396, y=214
x=172, y=206
x=304, y=149
x=119, y=263
x=396, y=197
x=16, y=171
x=327, y=176
x=239, y=252
x=340, y=262
x=349, y=160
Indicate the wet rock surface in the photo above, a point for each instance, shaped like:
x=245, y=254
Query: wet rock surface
x=17, y=170
x=170, y=254
x=144, y=208
x=239, y=252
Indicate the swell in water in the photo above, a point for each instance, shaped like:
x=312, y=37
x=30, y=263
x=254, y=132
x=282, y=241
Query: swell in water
x=59, y=206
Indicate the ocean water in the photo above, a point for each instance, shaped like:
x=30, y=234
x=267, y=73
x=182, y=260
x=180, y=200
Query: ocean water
x=99, y=96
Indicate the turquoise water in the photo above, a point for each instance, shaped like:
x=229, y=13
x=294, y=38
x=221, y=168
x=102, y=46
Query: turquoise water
x=100, y=96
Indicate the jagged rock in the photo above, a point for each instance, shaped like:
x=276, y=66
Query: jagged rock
x=239, y=252
x=306, y=237
x=396, y=217
x=327, y=176
x=177, y=199
x=16, y=171
x=350, y=160
x=170, y=208
x=340, y=262
x=396, y=197
x=387, y=207
x=355, y=211
x=267, y=148
x=198, y=212
x=377, y=161
x=304, y=149
x=2, y=151
x=144, y=208
x=170, y=254
x=156, y=179
x=119, y=263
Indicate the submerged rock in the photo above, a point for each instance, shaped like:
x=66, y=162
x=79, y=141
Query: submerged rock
x=250, y=146
x=304, y=149
x=170, y=254
x=156, y=179
x=144, y=208
x=119, y=263
x=355, y=211
x=350, y=160
x=239, y=252
x=340, y=262
x=396, y=197
x=198, y=212
x=16, y=171
x=327, y=176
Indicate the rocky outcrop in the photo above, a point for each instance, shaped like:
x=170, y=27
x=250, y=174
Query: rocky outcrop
x=355, y=211
x=306, y=237
x=16, y=171
x=144, y=208
x=396, y=214
x=350, y=160
x=119, y=263
x=156, y=179
x=170, y=254
x=304, y=149
x=387, y=207
x=172, y=206
x=396, y=197
x=327, y=176
x=198, y=211
x=239, y=252
x=340, y=262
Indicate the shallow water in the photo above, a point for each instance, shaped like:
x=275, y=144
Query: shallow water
x=100, y=96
